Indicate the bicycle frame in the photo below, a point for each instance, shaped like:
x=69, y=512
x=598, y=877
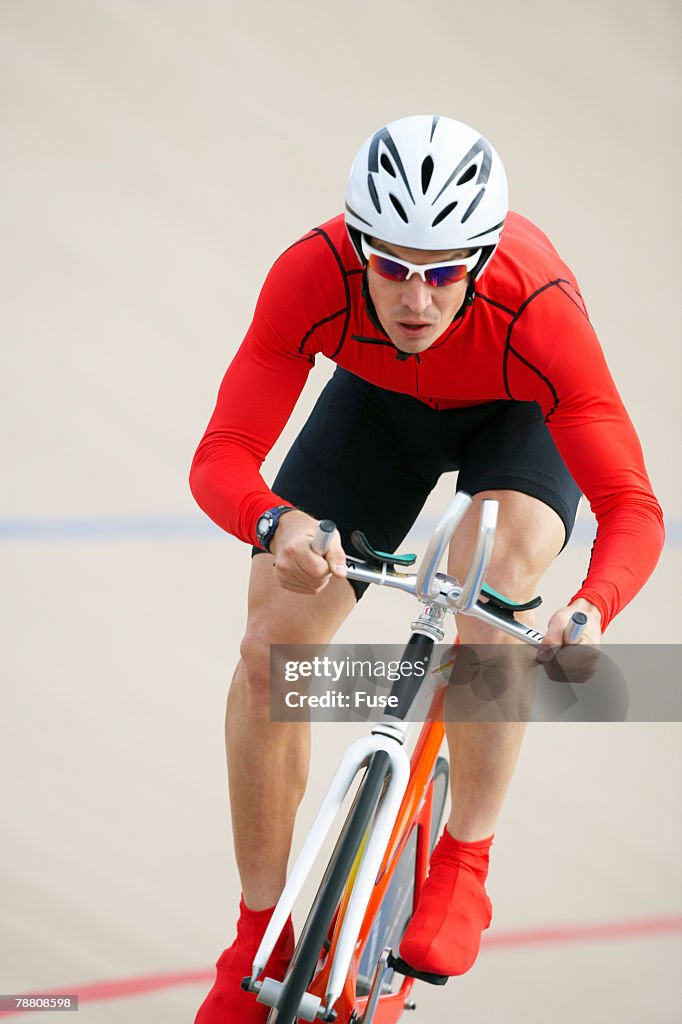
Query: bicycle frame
x=406, y=798
x=415, y=811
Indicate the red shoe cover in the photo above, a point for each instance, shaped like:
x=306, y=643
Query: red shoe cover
x=444, y=936
x=227, y=1002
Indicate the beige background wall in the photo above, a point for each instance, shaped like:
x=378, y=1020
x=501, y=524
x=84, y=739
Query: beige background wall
x=157, y=157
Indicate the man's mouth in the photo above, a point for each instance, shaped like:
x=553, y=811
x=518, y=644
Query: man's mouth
x=414, y=328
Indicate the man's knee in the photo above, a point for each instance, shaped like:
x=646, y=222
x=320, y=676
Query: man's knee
x=280, y=617
x=511, y=572
x=516, y=579
x=516, y=575
x=254, y=665
x=263, y=659
x=528, y=539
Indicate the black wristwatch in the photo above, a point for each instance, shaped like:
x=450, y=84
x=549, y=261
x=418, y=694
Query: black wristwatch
x=268, y=522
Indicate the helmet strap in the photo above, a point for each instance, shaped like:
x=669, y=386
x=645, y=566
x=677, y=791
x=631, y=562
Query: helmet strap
x=468, y=298
x=371, y=308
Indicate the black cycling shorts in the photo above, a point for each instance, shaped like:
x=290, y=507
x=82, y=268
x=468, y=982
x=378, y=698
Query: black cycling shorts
x=368, y=459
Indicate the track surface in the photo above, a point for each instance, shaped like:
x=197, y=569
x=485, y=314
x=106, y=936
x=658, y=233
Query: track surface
x=157, y=158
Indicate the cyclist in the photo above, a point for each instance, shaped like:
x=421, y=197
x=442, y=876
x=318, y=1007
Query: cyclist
x=462, y=342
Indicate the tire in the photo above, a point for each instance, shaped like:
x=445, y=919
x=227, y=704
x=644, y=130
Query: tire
x=307, y=952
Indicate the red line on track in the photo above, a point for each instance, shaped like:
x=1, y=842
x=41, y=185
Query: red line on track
x=641, y=928
x=618, y=930
x=119, y=989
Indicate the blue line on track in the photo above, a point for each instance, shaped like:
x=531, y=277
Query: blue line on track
x=84, y=529
x=109, y=528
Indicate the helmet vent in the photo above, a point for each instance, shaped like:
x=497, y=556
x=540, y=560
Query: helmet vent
x=445, y=212
x=472, y=206
x=427, y=171
x=387, y=165
x=373, y=193
x=398, y=207
x=468, y=175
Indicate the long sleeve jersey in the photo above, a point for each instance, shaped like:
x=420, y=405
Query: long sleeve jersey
x=526, y=336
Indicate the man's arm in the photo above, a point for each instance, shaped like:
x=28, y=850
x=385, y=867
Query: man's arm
x=556, y=356
x=262, y=384
x=254, y=403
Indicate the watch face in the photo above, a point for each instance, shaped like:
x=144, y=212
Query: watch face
x=263, y=525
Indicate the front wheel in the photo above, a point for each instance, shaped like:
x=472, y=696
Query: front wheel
x=307, y=952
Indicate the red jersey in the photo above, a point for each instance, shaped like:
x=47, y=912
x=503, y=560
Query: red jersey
x=526, y=337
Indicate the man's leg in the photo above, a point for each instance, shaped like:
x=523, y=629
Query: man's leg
x=267, y=771
x=483, y=755
x=444, y=935
x=268, y=761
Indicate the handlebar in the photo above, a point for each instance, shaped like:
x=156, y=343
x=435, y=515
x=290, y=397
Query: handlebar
x=576, y=627
x=432, y=587
x=323, y=536
x=439, y=541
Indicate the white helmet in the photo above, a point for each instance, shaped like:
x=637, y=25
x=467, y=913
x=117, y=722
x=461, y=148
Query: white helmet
x=428, y=182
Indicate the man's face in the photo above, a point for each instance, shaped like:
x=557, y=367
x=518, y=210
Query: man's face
x=414, y=314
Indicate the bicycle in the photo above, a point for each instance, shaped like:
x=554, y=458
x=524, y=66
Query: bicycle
x=380, y=861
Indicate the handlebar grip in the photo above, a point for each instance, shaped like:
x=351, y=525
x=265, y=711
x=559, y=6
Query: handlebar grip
x=322, y=538
x=575, y=628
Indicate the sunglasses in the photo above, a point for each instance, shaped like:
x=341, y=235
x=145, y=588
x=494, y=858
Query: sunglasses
x=434, y=274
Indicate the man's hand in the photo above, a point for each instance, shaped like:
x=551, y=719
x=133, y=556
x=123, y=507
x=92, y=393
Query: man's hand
x=297, y=566
x=575, y=666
